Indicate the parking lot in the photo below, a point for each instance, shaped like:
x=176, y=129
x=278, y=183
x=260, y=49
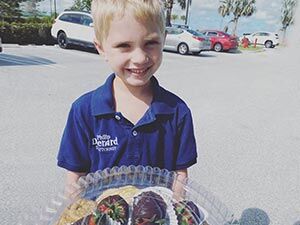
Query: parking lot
x=246, y=114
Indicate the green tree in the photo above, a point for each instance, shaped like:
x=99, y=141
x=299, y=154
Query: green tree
x=82, y=5
x=10, y=10
x=174, y=17
x=183, y=17
x=237, y=8
x=287, y=15
x=184, y=4
x=224, y=10
x=225, y=7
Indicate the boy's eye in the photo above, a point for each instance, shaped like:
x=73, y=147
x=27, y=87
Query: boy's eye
x=150, y=43
x=123, y=45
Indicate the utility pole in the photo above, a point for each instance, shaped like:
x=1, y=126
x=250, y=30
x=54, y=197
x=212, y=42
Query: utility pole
x=187, y=12
x=55, y=9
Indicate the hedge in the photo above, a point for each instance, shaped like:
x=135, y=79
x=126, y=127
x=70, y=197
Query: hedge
x=26, y=33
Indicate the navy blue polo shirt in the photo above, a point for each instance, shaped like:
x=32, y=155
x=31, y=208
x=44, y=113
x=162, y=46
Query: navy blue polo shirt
x=97, y=137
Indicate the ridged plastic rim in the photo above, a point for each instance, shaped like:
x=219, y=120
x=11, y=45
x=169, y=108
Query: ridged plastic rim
x=93, y=184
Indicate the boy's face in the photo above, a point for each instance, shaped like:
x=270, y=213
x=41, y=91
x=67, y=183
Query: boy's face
x=133, y=50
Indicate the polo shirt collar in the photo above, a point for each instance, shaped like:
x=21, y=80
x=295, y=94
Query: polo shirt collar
x=161, y=104
x=102, y=99
x=103, y=102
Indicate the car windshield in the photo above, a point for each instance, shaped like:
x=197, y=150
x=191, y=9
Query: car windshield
x=195, y=33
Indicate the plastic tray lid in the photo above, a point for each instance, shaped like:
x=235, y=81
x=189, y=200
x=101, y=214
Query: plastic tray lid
x=91, y=186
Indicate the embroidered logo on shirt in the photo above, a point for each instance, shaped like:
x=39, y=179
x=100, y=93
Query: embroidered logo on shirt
x=104, y=143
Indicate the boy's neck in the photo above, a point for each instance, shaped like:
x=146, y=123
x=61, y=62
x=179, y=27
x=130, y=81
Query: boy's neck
x=140, y=92
x=132, y=101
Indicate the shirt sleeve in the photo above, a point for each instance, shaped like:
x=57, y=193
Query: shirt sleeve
x=73, y=152
x=187, y=151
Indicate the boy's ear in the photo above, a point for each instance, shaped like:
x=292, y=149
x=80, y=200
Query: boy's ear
x=100, y=49
x=98, y=46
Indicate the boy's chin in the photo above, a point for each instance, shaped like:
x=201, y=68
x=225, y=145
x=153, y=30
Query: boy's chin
x=136, y=80
x=137, y=83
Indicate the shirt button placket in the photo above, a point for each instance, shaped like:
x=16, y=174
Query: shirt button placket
x=134, y=133
x=133, y=153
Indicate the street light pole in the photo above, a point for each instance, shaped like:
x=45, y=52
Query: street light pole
x=187, y=12
x=55, y=8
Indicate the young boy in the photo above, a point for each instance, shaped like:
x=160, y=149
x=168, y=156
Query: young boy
x=130, y=119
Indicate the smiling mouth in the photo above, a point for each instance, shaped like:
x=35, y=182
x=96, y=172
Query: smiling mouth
x=138, y=71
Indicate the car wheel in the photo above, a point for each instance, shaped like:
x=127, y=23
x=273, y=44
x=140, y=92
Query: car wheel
x=183, y=49
x=62, y=40
x=268, y=44
x=218, y=47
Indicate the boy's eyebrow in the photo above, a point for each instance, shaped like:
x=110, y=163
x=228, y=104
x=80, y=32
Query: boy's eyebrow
x=148, y=38
x=122, y=43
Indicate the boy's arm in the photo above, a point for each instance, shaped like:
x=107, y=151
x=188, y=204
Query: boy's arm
x=178, y=188
x=71, y=179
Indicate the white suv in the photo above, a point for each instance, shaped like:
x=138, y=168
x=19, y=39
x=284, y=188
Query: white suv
x=73, y=27
x=268, y=39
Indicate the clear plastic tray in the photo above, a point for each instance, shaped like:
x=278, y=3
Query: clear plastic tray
x=161, y=181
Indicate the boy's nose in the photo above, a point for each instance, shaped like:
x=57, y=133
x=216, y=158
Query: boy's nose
x=139, y=56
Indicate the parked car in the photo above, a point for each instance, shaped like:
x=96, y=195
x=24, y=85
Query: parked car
x=221, y=41
x=0, y=45
x=73, y=27
x=268, y=39
x=185, y=41
x=183, y=26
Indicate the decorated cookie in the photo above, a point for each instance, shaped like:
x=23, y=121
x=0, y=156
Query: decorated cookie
x=115, y=207
x=76, y=211
x=188, y=213
x=148, y=209
x=91, y=219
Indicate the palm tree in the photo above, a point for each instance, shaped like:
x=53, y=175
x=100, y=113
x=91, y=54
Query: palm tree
x=224, y=10
x=174, y=17
x=287, y=15
x=238, y=8
x=184, y=4
x=183, y=17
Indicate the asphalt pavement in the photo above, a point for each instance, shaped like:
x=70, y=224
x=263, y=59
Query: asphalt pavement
x=245, y=107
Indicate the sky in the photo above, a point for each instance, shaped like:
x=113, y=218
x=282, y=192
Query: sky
x=204, y=15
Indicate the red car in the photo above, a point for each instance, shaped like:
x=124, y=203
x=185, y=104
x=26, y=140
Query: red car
x=221, y=41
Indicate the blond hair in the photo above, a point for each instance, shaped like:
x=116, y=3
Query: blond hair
x=145, y=11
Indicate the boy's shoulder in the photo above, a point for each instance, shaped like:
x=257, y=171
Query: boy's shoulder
x=167, y=95
x=168, y=101
x=96, y=101
x=84, y=99
x=85, y=104
x=172, y=98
